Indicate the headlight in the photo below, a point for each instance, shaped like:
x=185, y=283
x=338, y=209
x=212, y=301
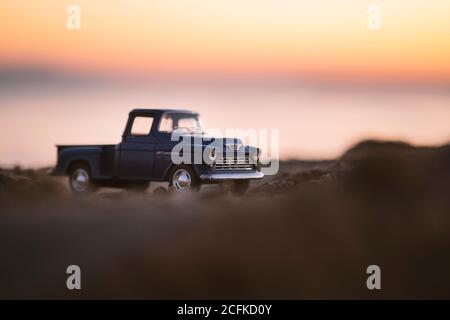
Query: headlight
x=212, y=155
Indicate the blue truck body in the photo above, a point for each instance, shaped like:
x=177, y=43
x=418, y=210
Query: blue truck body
x=147, y=157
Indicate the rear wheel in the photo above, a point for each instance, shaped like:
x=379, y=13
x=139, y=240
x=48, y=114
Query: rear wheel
x=80, y=180
x=184, y=179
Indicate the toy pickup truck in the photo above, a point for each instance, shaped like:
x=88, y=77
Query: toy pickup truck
x=146, y=154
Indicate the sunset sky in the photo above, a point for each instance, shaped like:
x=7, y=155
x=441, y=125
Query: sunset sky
x=247, y=38
x=311, y=69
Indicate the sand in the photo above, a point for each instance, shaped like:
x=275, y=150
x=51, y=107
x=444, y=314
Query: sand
x=309, y=232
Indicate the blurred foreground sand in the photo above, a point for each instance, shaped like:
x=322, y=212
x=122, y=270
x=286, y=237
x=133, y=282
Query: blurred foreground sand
x=309, y=232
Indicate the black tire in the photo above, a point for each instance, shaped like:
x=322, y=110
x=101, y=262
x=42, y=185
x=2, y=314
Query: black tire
x=176, y=185
x=240, y=187
x=80, y=180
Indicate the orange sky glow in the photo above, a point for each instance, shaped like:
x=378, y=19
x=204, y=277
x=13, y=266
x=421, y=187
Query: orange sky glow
x=323, y=38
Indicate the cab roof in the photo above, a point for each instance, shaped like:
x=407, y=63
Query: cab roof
x=161, y=111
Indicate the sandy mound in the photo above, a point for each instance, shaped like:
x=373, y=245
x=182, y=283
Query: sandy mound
x=309, y=232
x=17, y=184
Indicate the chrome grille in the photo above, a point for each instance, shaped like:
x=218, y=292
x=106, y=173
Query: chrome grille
x=229, y=163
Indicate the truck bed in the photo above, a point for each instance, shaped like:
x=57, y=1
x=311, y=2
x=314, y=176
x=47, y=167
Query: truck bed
x=61, y=147
x=100, y=157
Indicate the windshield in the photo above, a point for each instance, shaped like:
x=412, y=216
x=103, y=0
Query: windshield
x=184, y=122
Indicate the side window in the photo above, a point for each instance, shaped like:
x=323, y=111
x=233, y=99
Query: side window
x=141, y=126
x=166, y=124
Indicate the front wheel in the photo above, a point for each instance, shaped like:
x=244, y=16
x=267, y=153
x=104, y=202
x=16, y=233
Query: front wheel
x=184, y=179
x=80, y=180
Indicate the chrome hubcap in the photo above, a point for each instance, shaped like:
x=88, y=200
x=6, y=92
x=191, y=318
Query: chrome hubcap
x=80, y=180
x=181, y=180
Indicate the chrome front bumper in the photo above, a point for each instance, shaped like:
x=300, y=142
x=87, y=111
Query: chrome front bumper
x=231, y=176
